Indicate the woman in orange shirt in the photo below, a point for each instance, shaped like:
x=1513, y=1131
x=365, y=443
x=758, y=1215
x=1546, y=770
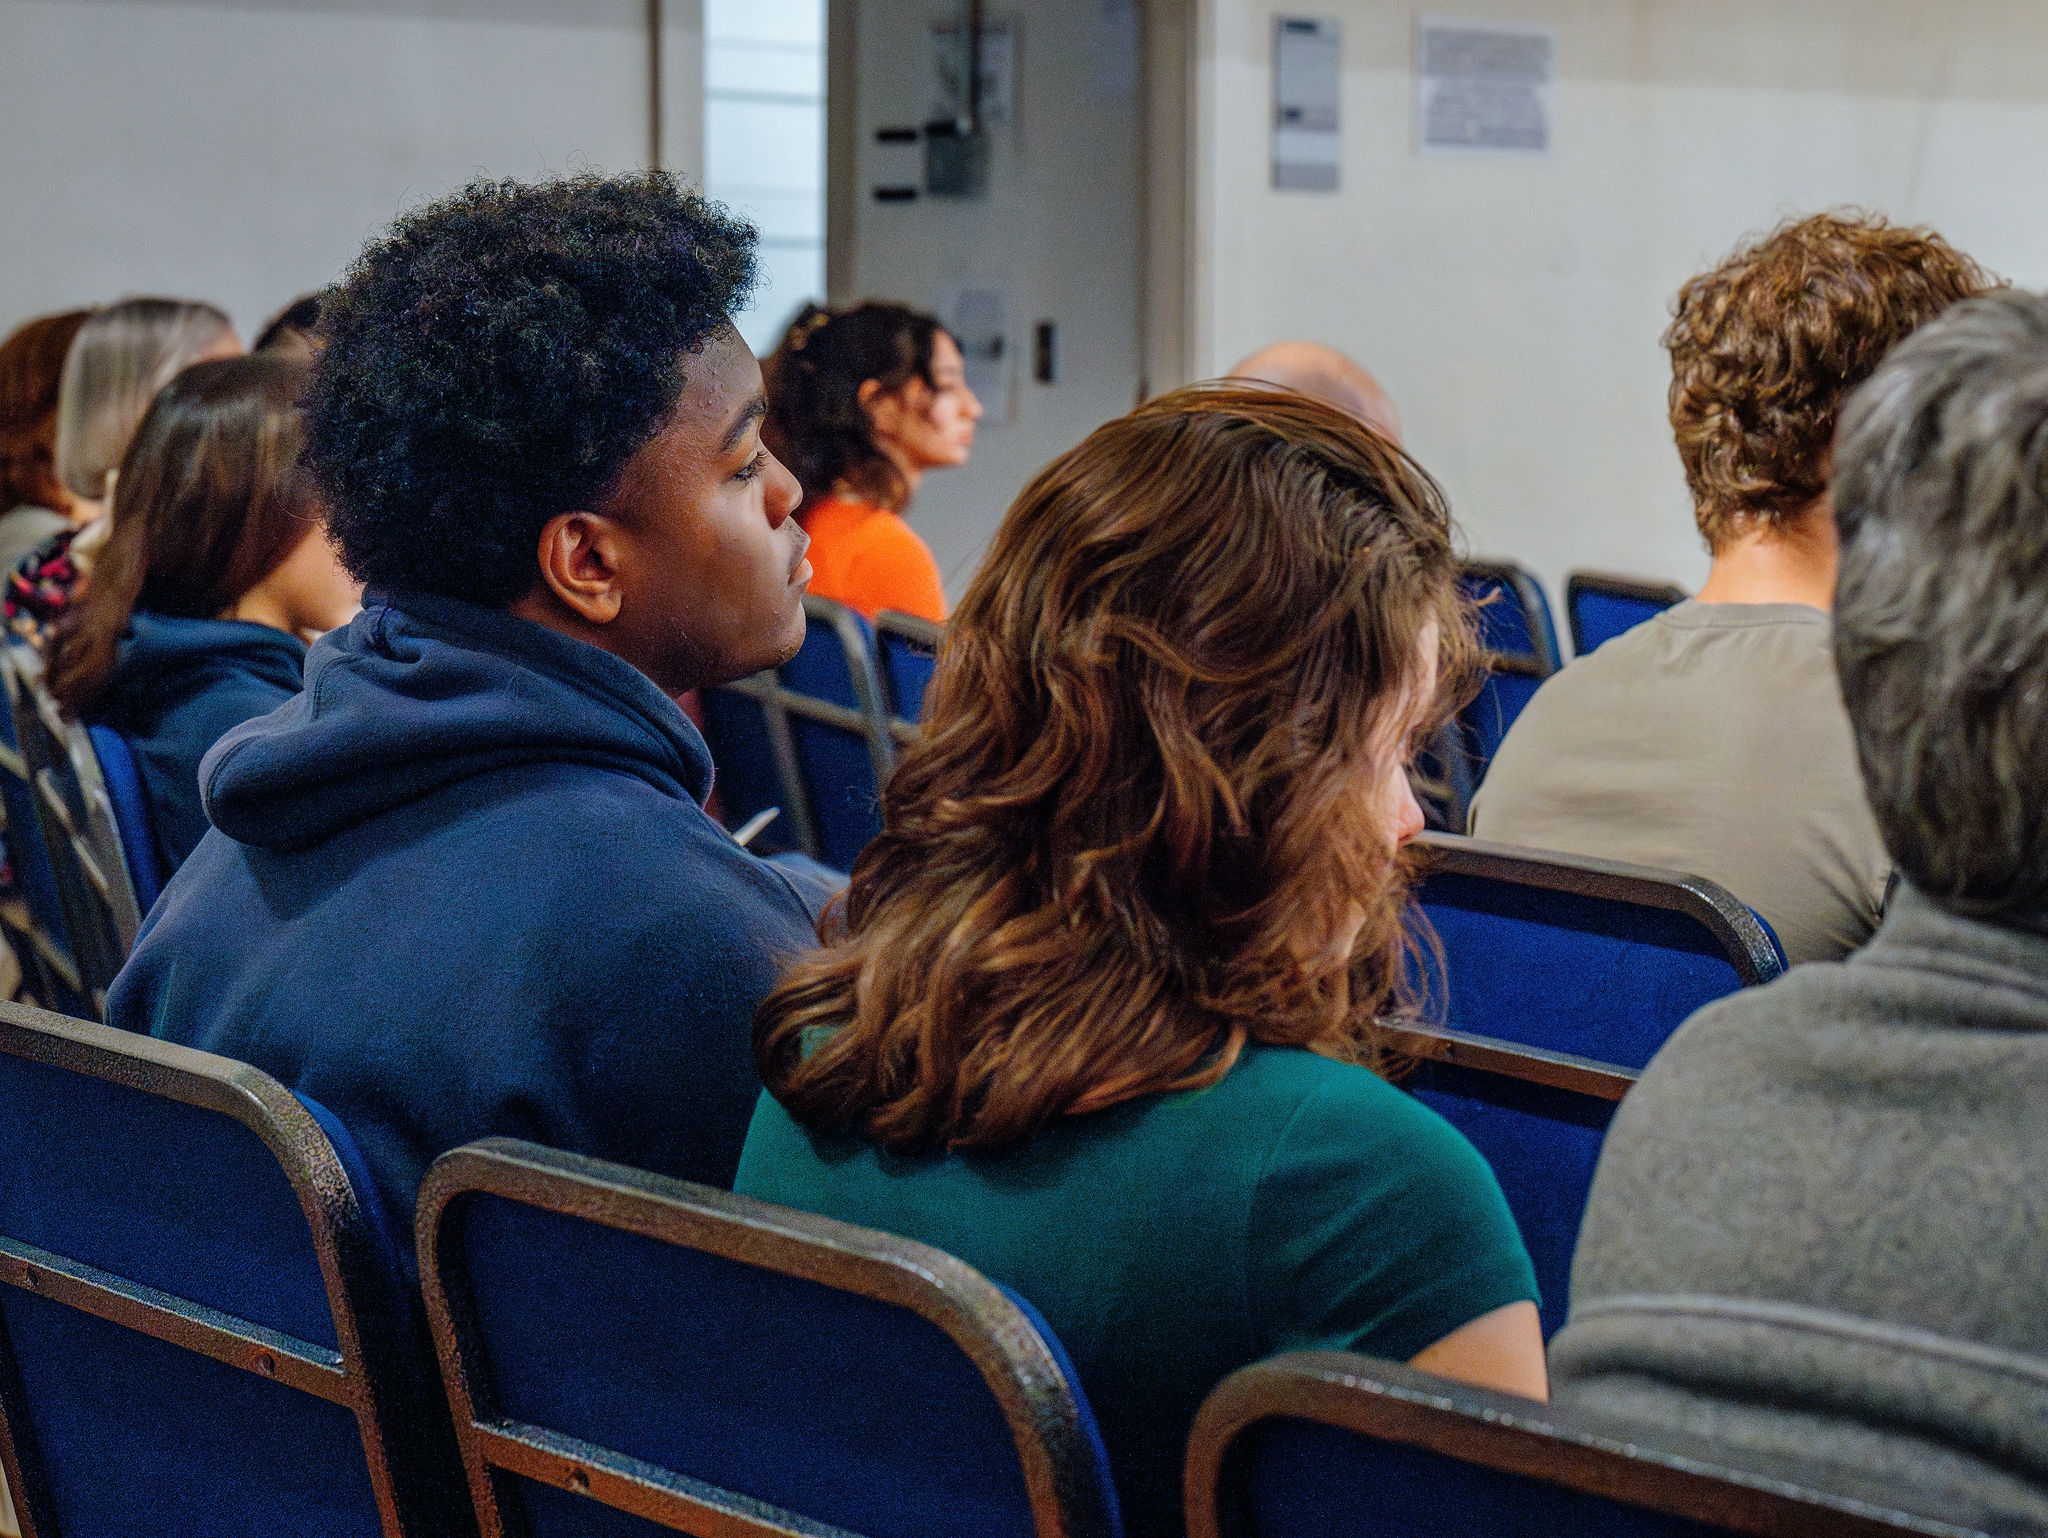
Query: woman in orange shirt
x=861, y=402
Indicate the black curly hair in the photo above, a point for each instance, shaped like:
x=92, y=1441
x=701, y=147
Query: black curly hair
x=498, y=357
x=816, y=424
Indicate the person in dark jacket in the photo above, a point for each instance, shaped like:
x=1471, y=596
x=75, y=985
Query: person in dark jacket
x=464, y=884
x=215, y=568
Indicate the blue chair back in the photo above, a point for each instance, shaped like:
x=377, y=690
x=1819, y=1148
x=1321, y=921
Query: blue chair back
x=1600, y=605
x=1514, y=614
x=205, y=1324
x=1521, y=651
x=628, y=1354
x=40, y=923
x=1329, y=1445
x=839, y=725
x=907, y=654
x=747, y=731
x=1587, y=957
x=1538, y=1118
x=1511, y=682
x=131, y=812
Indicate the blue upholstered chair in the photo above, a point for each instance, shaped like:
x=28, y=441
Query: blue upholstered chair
x=747, y=731
x=812, y=737
x=1326, y=1445
x=123, y=783
x=1600, y=605
x=39, y=923
x=1521, y=651
x=1511, y=682
x=1588, y=957
x=1514, y=616
x=839, y=722
x=1538, y=1118
x=206, y=1324
x=627, y=1354
x=907, y=654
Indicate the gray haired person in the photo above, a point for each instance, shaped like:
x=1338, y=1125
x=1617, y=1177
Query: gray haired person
x=1819, y=1231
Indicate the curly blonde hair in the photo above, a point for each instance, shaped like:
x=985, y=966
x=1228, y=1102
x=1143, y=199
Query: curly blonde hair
x=1766, y=347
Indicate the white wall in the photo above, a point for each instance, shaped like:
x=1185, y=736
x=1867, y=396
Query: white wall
x=1057, y=233
x=243, y=152
x=1513, y=306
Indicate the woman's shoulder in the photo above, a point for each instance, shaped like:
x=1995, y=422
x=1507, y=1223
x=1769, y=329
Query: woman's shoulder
x=1343, y=1111
x=1290, y=1118
x=1298, y=1075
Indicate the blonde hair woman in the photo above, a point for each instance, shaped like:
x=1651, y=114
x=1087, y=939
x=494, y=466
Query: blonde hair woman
x=118, y=362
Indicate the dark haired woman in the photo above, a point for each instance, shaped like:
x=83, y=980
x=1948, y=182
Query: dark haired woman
x=215, y=568
x=861, y=402
x=1101, y=1020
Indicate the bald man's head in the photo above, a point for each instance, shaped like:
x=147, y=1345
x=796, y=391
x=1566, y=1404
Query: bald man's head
x=1329, y=376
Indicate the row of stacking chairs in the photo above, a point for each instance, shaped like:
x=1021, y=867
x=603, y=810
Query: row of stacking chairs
x=1521, y=646
x=77, y=838
x=208, y=1326
x=813, y=741
x=1599, y=605
x=1556, y=979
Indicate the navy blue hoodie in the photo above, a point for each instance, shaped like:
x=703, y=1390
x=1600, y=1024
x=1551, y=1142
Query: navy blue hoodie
x=178, y=685
x=463, y=886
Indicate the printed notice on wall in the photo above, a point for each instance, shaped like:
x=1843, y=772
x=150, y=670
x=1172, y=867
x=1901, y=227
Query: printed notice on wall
x=1484, y=86
x=1308, y=76
x=978, y=315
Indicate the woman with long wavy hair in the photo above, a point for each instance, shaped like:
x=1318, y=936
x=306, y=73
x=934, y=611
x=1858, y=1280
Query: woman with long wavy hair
x=1098, y=1015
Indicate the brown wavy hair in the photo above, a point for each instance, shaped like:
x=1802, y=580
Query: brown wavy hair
x=1766, y=347
x=1138, y=823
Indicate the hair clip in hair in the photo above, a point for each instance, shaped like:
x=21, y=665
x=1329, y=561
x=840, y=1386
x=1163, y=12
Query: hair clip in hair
x=809, y=326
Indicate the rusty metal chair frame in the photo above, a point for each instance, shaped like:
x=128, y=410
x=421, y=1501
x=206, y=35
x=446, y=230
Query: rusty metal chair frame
x=1576, y=1075
x=1036, y=1399
x=361, y=1377
x=1673, y=1475
x=1750, y=950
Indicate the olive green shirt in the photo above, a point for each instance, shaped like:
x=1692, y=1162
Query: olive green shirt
x=1712, y=740
x=1297, y=1204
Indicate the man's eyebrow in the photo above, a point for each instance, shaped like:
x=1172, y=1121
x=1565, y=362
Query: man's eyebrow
x=750, y=413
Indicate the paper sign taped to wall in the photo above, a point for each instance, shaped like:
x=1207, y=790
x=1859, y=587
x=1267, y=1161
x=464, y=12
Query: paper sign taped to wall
x=998, y=100
x=1308, y=80
x=978, y=316
x=1484, y=85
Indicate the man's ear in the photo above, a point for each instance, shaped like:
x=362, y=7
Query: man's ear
x=580, y=558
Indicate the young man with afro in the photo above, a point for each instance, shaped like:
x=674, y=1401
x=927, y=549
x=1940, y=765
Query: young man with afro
x=464, y=884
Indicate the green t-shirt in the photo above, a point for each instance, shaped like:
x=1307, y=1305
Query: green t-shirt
x=1298, y=1204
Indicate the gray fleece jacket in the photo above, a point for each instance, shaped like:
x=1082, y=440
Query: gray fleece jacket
x=1820, y=1227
